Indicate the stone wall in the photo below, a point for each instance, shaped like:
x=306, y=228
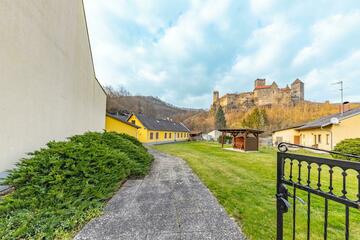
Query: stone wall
x=262, y=95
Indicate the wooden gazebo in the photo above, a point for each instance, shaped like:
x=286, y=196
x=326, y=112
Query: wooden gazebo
x=243, y=138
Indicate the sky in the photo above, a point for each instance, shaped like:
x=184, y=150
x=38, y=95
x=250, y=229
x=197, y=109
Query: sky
x=181, y=51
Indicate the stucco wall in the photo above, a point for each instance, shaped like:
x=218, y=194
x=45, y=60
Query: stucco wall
x=330, y=136
x=48, y=87
x=143, y=134
x=348, y=128
x=286, y=135
x=114, y=125
x=307, y=138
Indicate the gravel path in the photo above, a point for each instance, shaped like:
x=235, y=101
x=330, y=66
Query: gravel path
x=169, y=203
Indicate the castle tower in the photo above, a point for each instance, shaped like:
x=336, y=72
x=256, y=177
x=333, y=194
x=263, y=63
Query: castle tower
x=297, y=91
x=215, y=97
x=260, y=82
x=274, y=85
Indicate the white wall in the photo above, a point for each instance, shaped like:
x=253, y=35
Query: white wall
x=48, y=89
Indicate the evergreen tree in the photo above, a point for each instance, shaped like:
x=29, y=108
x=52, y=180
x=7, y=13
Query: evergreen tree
x=256, y=119
x=220, y=121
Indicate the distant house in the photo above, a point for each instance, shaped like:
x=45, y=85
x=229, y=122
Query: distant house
x=323, y=133
x=206, y=137
x=289, y=135
x=215, y=134
x=153, y=130
x=119, y=124
x=196, y=136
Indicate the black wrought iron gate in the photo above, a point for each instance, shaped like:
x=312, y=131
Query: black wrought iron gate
x=292, y=176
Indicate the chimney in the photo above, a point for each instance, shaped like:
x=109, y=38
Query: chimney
x=346, y=106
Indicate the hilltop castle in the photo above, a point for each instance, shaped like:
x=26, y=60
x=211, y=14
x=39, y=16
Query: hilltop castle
x=262, y=95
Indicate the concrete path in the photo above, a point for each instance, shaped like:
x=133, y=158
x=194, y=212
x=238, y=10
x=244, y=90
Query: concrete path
x=170, y=203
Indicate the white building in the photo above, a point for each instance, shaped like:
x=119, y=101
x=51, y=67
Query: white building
x=215, y=134
x=48, y=86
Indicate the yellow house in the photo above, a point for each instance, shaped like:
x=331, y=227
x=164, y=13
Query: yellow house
x=158, y=130
x=289, y=135
x=114, y=123
x=323, y=133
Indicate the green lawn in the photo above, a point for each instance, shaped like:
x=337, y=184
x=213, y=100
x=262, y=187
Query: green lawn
x=244, y=184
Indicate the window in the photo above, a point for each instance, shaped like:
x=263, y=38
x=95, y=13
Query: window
x=315, y=139
x=157, y=135
x=319, y=138
x=151, y=136
x=181, y=135
x=165, y=135
x=178, y=135
x=133, y=121
x=169, y=135
x=327, y=139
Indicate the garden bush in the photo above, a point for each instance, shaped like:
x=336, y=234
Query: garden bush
x=124, y=143
x=61, y=187
x=227, y=139
x=132, y=139
x=348, y=146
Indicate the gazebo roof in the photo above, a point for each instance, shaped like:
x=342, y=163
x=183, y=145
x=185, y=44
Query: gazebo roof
x=240, y=130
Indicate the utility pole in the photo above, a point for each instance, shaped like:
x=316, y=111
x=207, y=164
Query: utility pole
x=342, y=96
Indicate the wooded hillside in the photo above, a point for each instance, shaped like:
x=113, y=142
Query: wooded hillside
x=267, y=118
x=119, y=100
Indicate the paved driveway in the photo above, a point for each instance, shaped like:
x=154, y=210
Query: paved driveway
x=170, y=203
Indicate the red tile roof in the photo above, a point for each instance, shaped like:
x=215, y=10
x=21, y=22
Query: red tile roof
x=263, y=87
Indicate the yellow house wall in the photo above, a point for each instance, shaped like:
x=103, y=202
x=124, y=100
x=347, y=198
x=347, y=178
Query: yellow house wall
x=307, y=137
x=330, y=136
x=113, y=125
x=287, y=135
x=348, y=128
x=144, y=134
x=175, y=136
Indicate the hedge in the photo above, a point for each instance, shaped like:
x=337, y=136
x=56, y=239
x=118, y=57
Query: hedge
x=227, y=139
x=348, y=146
x=62, y=186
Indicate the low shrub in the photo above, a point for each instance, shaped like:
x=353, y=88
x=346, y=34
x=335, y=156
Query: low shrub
x=348, y=146
x=124, y=143
x=132, y=139
x=61, y=187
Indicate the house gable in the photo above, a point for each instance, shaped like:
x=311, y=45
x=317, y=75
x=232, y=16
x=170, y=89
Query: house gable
x=134, y=120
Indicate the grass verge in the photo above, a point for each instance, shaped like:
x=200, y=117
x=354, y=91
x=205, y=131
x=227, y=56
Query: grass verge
x=244, y=184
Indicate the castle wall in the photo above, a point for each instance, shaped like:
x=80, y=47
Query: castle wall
x=263, y=95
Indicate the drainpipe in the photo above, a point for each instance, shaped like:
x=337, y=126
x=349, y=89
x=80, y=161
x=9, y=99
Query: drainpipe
x=331, y=136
